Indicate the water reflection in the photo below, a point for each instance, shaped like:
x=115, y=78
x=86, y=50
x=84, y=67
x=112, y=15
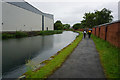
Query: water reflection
x=17, y=51
x=0, y=57
x=38, y=48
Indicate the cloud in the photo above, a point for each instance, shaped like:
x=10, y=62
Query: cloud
x=72, y=12
x=73, y=0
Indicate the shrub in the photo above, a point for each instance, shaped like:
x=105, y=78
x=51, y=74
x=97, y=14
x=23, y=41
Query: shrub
x=20, y=34
x=50, y=32
x=7, y=35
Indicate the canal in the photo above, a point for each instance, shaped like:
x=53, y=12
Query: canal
x=16, y=52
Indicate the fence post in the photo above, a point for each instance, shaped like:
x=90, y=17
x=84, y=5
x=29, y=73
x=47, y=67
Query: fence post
x=105, y=32
x=95, y=30
x=99, y=32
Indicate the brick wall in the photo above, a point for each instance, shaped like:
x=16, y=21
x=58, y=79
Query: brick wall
x=97, y=31
x=93, y=31
x=119, y=34
x=109, y=32
x=112, y=34
x=102, y=32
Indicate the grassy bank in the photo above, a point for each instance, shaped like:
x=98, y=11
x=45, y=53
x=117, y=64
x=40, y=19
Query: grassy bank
x=19, y=34
x=14, y=35
x=56, y=62
x=109, y=56
x=50, y=32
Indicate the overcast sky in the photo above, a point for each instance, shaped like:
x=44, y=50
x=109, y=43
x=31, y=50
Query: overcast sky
x=72, y=11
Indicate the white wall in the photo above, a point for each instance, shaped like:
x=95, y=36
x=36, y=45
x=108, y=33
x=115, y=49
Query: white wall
x=15, y=18
x=0, y=41
x=0, y=16
x=48, y=22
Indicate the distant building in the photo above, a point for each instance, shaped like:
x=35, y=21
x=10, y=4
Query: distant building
x=119, y=10
x=21, y=16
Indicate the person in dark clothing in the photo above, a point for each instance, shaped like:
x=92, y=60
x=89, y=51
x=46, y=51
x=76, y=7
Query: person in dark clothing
x=89, y=33
x=84, y=33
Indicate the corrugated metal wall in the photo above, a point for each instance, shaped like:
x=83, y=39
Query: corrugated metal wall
x=18, y=19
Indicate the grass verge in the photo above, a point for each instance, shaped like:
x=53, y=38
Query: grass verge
x=56, y=62
x=109, y=56
x=19, y=34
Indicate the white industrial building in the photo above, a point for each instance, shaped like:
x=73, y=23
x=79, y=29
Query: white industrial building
x=21, y=16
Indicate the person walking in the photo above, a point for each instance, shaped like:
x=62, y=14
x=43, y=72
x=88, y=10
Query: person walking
x=89, y=33
x=84, y=33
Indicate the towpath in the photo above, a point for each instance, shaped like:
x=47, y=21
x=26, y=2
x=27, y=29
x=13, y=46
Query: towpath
x=82, y=63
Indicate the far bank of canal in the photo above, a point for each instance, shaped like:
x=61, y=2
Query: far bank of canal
x=16, y=52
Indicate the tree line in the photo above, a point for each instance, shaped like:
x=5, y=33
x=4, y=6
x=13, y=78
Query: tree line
x=59, y=26
x=89, y=20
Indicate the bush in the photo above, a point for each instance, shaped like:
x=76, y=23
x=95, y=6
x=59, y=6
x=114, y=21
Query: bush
x=20, y=34
x=50, y=32
x=77, y=26
x=7, y=35
x=58, y=25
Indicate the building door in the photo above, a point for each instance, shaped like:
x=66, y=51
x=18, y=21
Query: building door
x=47, y=29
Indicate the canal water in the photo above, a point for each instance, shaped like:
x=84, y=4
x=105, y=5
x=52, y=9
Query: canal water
x=16, y=52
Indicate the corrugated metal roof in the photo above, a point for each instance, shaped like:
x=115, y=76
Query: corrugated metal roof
x=108, y=23
x=29, y=7
x=48, y=15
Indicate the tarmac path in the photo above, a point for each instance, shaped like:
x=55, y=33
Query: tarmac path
x=84, y=62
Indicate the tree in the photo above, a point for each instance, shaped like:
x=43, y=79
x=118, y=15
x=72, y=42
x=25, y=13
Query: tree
x=66, y=26
x=89, y=19
x=103, y=16
x=77, y=26
x=58, y=25
x=83, y=23
x=96, y=18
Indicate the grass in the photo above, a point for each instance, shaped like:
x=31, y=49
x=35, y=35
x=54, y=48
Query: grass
x=109, y=56
x=56, y=62
x=19, y=34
